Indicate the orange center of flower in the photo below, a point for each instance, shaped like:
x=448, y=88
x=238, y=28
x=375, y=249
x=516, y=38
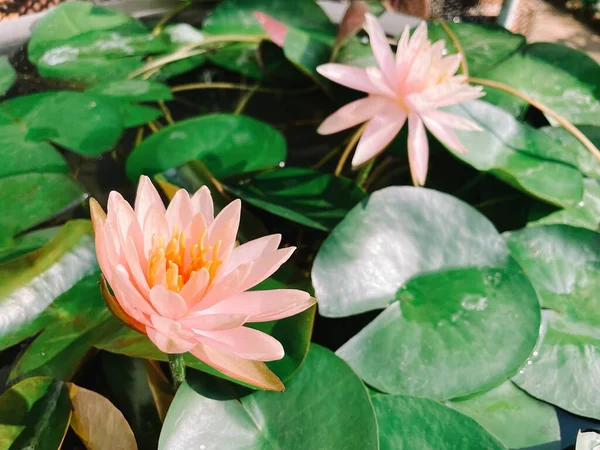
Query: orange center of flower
x=171, y=259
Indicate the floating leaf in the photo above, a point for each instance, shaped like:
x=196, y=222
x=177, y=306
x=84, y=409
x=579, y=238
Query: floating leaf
x=302, y=195
x=34, y=414
x=227, y=144
x=27, y=243
x=450, y=334
x=559, y=77
x=130, y=390
x=86, y=42
x=585, y=214
x=325, y=391
x=516, y=419
x=32, y=156
x=418, y=423
x=133, y=90
x=82, y=122
x=7, y=74
x=30, y=283
x=97, y=422
x=573, y=151
x=28, y=199
x=562, y=263
x=517, y=153
x=396, y=233
x=587, y=440
x=308, y=41
x=237, y=16
x=484, y=45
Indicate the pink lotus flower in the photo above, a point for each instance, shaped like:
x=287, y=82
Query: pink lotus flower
x=178, y=277
x=412, y=86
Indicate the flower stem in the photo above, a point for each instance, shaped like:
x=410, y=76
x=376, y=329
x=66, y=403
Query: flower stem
x=364, y=172
x=193, y=49
x=177, y=366
x=353, y=140
x=168, y=16
x=550, y=112
x=234, y=86
x=245, y=99
x=458, y=46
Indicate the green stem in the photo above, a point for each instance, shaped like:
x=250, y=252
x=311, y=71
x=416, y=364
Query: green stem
x=364, y=172
x=168, y=16
x=245, y=99
x=177, y=366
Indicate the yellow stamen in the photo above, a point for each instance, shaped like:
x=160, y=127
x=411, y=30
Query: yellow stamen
x=171, y=259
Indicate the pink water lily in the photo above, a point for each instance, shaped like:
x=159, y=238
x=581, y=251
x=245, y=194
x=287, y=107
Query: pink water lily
x=410, y=87
x=178, y=276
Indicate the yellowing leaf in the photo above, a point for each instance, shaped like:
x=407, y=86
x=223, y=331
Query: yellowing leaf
x=98, y=423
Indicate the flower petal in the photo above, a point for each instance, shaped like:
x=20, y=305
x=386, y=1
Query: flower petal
x=225, y=226
x=381, y=49
x=351, y=77
x=450, y=120
x=179, y=212
x=167, y=303
x=154, y=225
x=251, y=372
x=169, y=336
x=213, y=322
x=245, y=342
x=262, y=306
x=135, y=268
x=251, y=251
x=195, y=287
x=418, y=149
x=445, y=135
x=265, y=266
x=275, y=29
x=147, y=198
x=352, y=114
x=229, y=285
x=380, y=131
x=126, y=293
x=202, y=202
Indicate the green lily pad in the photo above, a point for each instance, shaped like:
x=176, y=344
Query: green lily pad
x=585, y=214
x=485, y=45
x=90, y=43
x=237, y=16
x=325, y=391
x=407, y=423
x=81, y=122
x=517, y=154
x=301, y=195
x=450, y=334
x=587, y=440
x=307, y=44
x=31, y=283
x=574, y=152
x=393, y=235
x=27, y=243
x=559, y=77
x=34, y=414
x=227, y=144
x=7, y=74
x=562, y=263
x=133, y=90
x=516, y=419
x=128, y=383
x=28, y=199
x=32, y=156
